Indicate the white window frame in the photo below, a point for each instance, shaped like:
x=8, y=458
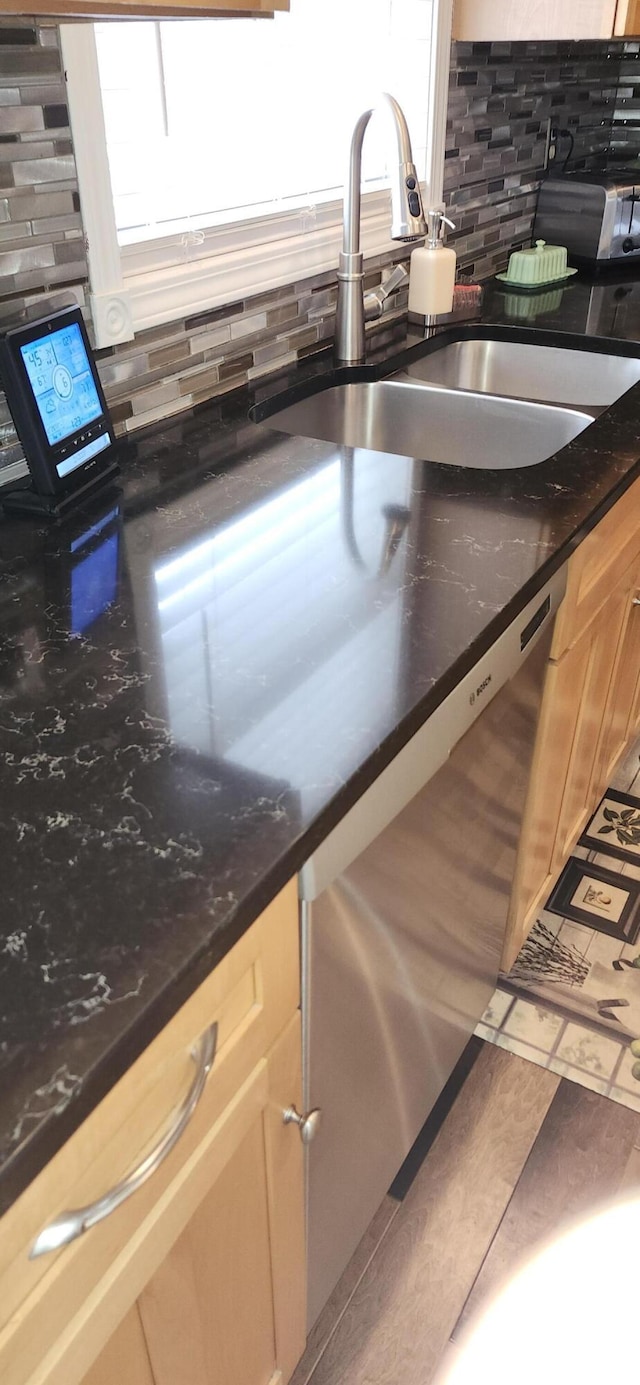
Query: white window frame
x=141, y=286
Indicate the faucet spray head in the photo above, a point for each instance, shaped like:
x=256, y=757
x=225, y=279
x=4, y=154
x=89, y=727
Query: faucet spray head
x=407, y=216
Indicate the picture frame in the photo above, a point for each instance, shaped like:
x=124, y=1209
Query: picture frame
x=597, y=838
x=602, y=899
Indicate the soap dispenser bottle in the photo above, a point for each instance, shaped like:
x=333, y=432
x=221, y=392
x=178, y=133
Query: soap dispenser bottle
x=432, y=270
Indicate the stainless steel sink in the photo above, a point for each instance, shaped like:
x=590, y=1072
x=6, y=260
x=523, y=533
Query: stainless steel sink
x=524, y=371
x=431, y=423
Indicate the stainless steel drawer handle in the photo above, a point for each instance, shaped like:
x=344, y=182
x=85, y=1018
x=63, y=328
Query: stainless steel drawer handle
x=69, y=1225
x=307, y=1125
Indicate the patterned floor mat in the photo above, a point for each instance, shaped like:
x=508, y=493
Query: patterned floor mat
x=571, y=1002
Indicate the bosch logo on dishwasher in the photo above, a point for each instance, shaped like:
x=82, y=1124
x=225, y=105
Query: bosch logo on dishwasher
x=480, y=689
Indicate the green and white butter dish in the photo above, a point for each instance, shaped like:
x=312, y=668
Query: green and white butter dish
x=537, y=267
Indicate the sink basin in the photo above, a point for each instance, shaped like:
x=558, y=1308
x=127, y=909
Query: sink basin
x=525, y=371
x=429, y=422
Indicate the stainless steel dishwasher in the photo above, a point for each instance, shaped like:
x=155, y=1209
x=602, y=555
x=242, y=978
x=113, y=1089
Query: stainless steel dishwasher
x=404, y=909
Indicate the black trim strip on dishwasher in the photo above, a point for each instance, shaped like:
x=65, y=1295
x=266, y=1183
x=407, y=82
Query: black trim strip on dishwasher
x=534, y=624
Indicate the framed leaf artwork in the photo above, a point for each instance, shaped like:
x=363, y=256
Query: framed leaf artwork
x=615, y=827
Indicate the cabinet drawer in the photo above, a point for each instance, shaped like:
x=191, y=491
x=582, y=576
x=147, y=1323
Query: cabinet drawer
x=251, y=996
x=597, y=566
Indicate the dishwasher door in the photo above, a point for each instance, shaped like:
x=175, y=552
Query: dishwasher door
x=404, y=909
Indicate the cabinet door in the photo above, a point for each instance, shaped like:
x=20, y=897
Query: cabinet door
x=623, y=708
x=125, y=1359
x=490, y=20
x=627, y=17
x=207, y=1313
x=587, y=715
x=563, y=692
x=227, y=1304
x=583, y=784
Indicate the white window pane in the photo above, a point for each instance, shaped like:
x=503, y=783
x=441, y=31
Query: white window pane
x=208, y=120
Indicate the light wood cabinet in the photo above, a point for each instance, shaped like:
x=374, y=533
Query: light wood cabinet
x=590, y=709
x=589, y=667
x=199, y=1276
x=206, y=1317
x=627, y=18
x=490, y=20
x=622, y=719
x=162, y=9
x=125, y=1359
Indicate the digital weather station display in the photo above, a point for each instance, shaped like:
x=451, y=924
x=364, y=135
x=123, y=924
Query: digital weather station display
x=62, y=382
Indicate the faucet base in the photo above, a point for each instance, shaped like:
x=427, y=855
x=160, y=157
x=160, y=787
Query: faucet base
x=350, y=310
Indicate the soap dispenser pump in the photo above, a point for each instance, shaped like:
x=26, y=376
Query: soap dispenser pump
x=432, y=271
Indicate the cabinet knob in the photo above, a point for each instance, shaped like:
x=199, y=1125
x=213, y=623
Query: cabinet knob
x=307, y=1125
x=635, y=601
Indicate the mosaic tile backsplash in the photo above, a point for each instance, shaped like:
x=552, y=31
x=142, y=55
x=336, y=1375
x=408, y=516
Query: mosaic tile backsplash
x=41, y=233
x=196, y=358
x=501, y=96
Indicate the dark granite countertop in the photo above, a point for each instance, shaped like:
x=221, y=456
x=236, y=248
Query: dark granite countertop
x=202, y=675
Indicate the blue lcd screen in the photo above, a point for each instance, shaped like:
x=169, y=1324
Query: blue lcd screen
x=62, y=382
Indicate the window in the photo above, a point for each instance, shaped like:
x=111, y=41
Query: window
x=188, y=148
x=211, y=153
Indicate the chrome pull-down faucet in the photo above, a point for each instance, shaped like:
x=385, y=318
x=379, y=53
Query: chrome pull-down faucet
x=407, y=224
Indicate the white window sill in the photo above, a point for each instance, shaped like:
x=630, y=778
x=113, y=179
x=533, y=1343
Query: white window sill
x=219, y=272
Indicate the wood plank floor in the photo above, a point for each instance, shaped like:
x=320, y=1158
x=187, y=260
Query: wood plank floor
x=520, y=1152
x=578, y=1160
